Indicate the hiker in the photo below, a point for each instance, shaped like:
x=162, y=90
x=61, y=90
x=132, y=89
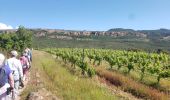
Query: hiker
x=29, y=56
x=25, y=65
x=16, y=67
x=6, y=80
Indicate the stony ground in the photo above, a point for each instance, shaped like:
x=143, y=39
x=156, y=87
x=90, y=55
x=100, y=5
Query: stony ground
x=41, y=94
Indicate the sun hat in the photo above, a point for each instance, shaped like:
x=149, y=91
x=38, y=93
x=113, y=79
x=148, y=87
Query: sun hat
x=14, y=53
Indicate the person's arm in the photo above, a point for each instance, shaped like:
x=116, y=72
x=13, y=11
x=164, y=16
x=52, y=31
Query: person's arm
x=20, y=69
x=11, y=80
x=10, y=75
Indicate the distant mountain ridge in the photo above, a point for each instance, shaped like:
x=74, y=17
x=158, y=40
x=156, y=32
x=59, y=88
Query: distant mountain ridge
x=117, y=38
x=115, y=32
x=161, y=31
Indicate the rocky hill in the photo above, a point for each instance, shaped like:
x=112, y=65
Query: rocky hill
x=116, y=32
x=44, y=32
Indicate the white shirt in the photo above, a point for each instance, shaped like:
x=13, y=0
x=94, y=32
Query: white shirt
x=15, y=65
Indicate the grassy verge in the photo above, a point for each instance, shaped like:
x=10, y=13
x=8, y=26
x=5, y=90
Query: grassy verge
x=148, y=80
x=65, y=85
x=131, y=86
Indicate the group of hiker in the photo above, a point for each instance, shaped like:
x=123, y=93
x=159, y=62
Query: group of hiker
x=13, y=73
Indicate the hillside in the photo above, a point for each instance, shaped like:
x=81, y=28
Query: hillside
x=116, y=32
x=149, y=40
x=117, y=38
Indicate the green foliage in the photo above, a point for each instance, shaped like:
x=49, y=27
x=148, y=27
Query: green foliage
x=130, y=66
x=6, y=41
x=91, y=72
x=150, y=63
x=75, y=57
x=24, y=37
x=18, y=40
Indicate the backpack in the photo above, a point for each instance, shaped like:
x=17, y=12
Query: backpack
x=3, y=77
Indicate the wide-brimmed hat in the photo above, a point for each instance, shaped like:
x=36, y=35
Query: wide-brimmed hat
x=14, y=53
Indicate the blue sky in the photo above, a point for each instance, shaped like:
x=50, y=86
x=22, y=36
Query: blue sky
x=86, y=14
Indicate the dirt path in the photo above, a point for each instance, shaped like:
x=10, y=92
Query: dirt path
x=42, y=93
x=22, y=89
x=34, y=88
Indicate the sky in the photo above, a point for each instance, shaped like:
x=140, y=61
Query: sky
x=85, y=14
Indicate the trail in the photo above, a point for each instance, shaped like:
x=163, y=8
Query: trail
x=34, y=88
x=25, y=83
x=42, y=93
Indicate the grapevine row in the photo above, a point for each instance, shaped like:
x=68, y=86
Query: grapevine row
x=153, y=63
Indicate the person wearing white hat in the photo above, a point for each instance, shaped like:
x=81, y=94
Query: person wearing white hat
x=6, y=80
x=29, y=55
x=16, y=67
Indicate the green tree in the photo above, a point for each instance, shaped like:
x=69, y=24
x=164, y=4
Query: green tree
x=24, y=37
x=6, y=42
x=18, y=40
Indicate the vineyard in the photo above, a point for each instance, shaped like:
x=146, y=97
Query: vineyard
x=144, y=64
x=152, y=63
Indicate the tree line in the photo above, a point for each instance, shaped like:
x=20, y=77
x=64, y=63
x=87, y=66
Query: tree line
x=18, y=40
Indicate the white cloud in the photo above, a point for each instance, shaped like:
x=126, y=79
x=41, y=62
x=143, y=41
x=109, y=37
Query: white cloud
x=4, y=26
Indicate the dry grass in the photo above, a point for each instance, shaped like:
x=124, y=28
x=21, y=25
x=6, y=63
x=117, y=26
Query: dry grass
x=148, y=80
x=131, y=86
